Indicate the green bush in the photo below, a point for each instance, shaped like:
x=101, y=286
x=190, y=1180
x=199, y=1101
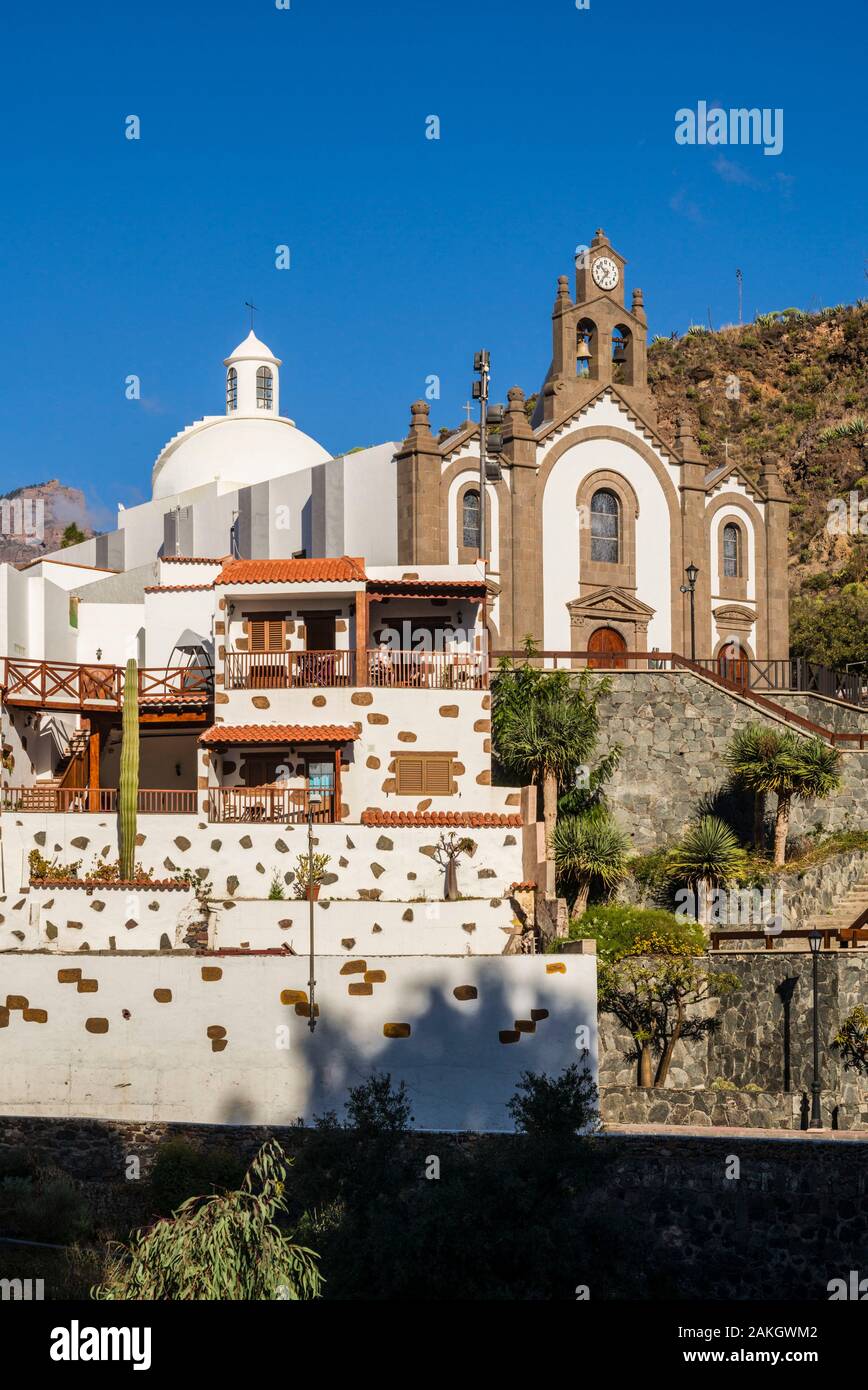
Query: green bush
x=623, y=931
x=53, y=1209
x=182, y=1170
x=555, y=1107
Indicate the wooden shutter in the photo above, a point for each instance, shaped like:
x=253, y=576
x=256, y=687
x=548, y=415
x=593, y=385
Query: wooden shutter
x=266, y=633
x=410, y=778
x=426, y=775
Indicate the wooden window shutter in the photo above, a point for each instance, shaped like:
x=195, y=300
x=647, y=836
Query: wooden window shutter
x=410, y=776
x=266, y=634
x=429, y=775
x=438, y=776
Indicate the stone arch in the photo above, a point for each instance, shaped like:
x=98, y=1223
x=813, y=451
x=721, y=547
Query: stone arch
x=602, y=575
x=750, y=509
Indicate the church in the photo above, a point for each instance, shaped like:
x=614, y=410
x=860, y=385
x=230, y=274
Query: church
x=593, y=517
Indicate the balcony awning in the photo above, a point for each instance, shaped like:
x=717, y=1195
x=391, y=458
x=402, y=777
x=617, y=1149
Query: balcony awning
x=426, y=588
x=278, y=733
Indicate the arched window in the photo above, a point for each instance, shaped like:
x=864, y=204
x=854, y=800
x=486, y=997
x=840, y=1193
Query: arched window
x=264, y=389
x=605, y=527
x=470, y=519
x=731, y=551
x=232, y=389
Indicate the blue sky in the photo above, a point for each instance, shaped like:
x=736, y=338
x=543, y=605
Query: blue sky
x=306, y=127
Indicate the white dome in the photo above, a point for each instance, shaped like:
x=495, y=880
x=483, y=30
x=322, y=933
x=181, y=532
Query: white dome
x=233, y=449
x=251, y=443
x=251, y=350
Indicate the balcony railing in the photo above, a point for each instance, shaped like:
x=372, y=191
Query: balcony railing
x=159, y=801
x=72, y=685
x=289, y=670
x=427, y=670
x=283, y=805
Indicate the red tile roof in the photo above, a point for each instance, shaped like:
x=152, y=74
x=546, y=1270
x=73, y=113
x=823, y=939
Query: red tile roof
x=279, y=733
x=480, y=820
x=175, y=588
x=195, y=559
x=346, y=569
x=420, y=588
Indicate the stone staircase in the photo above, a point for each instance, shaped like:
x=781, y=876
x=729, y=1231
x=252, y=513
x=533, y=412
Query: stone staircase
x=848, y=909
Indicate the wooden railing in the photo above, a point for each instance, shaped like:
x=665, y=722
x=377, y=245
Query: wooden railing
x=428, y=670
x=72, y=685
x=43, y=800
x=289, y=670
x=284, y=805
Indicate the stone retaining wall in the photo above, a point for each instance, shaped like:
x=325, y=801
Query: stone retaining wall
x=674, y=727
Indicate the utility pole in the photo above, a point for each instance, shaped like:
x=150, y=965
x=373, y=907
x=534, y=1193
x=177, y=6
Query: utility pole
x=740, y=282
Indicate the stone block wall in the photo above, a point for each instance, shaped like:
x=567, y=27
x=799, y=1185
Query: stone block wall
x=763, y=1036
x=674, y=727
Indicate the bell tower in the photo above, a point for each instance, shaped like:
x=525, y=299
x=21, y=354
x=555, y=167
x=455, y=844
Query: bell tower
x=596, y=340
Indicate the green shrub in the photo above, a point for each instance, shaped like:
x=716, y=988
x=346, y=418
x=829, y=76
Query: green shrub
x=53, y=1209
x=624, y=931
x=555, y=1107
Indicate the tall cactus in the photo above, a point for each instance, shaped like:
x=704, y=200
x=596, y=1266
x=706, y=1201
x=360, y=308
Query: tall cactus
x=128, y=791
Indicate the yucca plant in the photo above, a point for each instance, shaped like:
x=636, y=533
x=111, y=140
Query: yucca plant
x=787, y=765
x=587, y=849
x=749, y=748
x=853, y=432
x=224, y=1246
x=708, y=855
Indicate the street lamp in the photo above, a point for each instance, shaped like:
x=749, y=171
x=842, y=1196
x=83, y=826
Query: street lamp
x=314, y=800
x=815, y=941
x=690, y=588
x=482, y=365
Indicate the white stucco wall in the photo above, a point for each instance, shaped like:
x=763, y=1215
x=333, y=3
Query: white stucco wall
x=114, y=1052
x=562, y=537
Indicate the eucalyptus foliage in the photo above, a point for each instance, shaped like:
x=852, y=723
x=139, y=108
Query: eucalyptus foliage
x=221, y=1247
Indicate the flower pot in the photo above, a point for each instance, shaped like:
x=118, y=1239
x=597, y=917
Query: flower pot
x=312, y=892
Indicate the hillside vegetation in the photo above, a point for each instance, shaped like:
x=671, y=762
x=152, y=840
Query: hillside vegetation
x=785, y=385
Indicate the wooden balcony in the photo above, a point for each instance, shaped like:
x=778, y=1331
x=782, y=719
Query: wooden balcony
x=289, y=670
x=50, y=799
x=269, y=804
x=70, y=685
x=428, y=670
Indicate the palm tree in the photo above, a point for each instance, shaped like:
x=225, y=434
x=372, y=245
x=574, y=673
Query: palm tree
x=548, y=738
x=748, y=748
x=708, y=855
x=786, y=764
x=588, y=847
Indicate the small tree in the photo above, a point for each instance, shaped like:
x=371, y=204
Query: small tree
x=652, y=997
x=588, y=849
x=708, y=855
x=449, y=850
x=224, y=1246
x=787, y=765
x=851, y=1041
x=555, y=1107
x=72, y=535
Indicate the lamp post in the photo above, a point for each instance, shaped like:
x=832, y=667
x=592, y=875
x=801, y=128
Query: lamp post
x=815, y=941
x=314, y=799
x=482, y=365
x=690, y=588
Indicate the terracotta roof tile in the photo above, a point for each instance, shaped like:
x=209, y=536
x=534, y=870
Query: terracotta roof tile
x=345, y=569
x=479, y=820
x=175, y=588
x=279, y=733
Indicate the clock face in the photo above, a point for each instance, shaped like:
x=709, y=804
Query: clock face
x=605, y=273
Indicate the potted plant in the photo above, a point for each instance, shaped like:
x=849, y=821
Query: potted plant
x=310, y=870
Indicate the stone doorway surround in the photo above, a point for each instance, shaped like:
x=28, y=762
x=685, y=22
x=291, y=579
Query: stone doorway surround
x=610, y=607
x=733, y=623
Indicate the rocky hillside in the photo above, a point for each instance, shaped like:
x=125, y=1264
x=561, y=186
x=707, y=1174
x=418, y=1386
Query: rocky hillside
x=29, y=530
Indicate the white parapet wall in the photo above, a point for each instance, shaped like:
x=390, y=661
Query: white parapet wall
x=100, y=918
x=388, y=862
x=225, y=1040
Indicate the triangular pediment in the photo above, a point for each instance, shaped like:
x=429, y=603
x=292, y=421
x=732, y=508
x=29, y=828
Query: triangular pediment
x=611, y=601
x=719, y=476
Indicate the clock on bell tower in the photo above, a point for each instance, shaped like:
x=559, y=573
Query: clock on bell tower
x=597, y=340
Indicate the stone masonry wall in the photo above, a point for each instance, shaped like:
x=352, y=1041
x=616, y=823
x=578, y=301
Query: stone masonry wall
x=673, y=727
x=764, y=1034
